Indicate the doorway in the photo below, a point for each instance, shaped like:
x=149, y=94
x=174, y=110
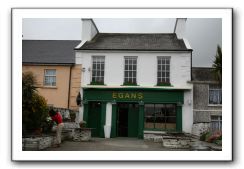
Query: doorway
x=122, y=120
x=94, y=118
x=127, y=119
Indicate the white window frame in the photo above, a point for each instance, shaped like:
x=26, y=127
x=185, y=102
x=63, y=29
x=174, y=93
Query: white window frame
x=55, y=77
x=102, y=58
x=165, y=71
x=131, y=57
x=218, y=120
x=212, y=104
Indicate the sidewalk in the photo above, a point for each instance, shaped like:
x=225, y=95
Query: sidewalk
x=124, y=144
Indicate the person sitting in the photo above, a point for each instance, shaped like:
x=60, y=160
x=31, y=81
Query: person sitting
x=57, y=118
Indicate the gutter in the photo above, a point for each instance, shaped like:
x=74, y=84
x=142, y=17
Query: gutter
x=137, y=50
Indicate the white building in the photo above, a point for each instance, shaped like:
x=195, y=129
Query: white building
x=134, y=84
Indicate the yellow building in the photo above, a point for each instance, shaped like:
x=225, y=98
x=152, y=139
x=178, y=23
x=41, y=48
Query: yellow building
x=53, y=65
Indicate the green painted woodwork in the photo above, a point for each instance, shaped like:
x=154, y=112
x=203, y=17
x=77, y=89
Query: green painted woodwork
x=133, y=113
x=114, y=121
x=141, y=121
x=179, y=118
x=94, y=118
x=85, y=112
x=132, y=95
x=103, y=118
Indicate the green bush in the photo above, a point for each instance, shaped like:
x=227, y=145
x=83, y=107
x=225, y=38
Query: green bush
x=204, y=136
x=34, y=106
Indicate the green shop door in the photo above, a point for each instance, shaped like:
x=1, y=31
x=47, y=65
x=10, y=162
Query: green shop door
x=127, y=119
x=94, y=117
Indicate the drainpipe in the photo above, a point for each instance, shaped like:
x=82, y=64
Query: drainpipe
x=70, y=71
x=191, y=65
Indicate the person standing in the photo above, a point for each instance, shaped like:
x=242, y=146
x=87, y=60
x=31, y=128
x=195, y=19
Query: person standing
x=57, y=118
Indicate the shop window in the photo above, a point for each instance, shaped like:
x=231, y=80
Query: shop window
x=130, y=70
x=49, y=77
x=163, y=71
x=215, y=94
x=98, y=63
x=160, y=116
x=216, y=123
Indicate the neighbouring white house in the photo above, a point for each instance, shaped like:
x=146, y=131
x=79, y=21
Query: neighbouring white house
x=135, y=84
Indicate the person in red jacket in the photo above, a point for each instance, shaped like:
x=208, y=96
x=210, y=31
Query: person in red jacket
x=57, y=117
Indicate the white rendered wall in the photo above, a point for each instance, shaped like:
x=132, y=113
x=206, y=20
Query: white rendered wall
x=180, y=67
x=108, y=114
x=187, y=113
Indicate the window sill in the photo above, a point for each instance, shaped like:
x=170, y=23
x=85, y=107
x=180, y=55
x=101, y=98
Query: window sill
x=164, y=84
x=130, y=84
x=93, y=84
x=49, y=87
x=214, y=105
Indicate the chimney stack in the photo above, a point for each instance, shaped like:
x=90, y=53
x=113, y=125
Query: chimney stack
x=89, y=30
x=180, y=26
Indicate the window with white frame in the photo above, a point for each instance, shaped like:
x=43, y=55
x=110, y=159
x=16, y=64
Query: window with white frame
x=163, y=71
x=215, y=94
x=98, y=63
x=216, y=123
x=130, y=70
x=49, y=77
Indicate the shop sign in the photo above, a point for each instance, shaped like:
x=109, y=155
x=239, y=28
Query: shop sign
x=127, y=95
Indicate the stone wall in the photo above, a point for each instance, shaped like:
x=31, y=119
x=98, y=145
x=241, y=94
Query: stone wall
x=176, y=142
x=153, y=137
x=199, y=128
x=201, y=117
x=200, y=96
x=37, y=143
x=71, y=131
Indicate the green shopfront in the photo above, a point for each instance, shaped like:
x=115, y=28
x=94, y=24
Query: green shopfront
x=132, y=110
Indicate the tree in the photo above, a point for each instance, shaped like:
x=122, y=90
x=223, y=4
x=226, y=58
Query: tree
x=34, y=106
x=217, y=64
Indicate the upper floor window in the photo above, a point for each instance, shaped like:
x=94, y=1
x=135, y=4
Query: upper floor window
x=130, y=70
x=163, y=71
x=98, y=69
x=49, y=77
x=215, y=94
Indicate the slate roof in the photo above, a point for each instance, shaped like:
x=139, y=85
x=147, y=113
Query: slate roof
x=203, y=74
x=48, y=51
x=135, y=42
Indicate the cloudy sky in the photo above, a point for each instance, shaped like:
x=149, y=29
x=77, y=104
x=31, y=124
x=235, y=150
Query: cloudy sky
x=204, y=34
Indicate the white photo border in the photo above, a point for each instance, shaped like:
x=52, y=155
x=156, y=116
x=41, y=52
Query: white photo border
x=18, y=14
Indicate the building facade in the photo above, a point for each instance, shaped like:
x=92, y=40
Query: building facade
x=53, y=64
x=134, y=84
x=207, y=104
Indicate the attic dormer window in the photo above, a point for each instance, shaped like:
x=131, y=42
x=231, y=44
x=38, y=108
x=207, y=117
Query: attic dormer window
x=98, y=70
